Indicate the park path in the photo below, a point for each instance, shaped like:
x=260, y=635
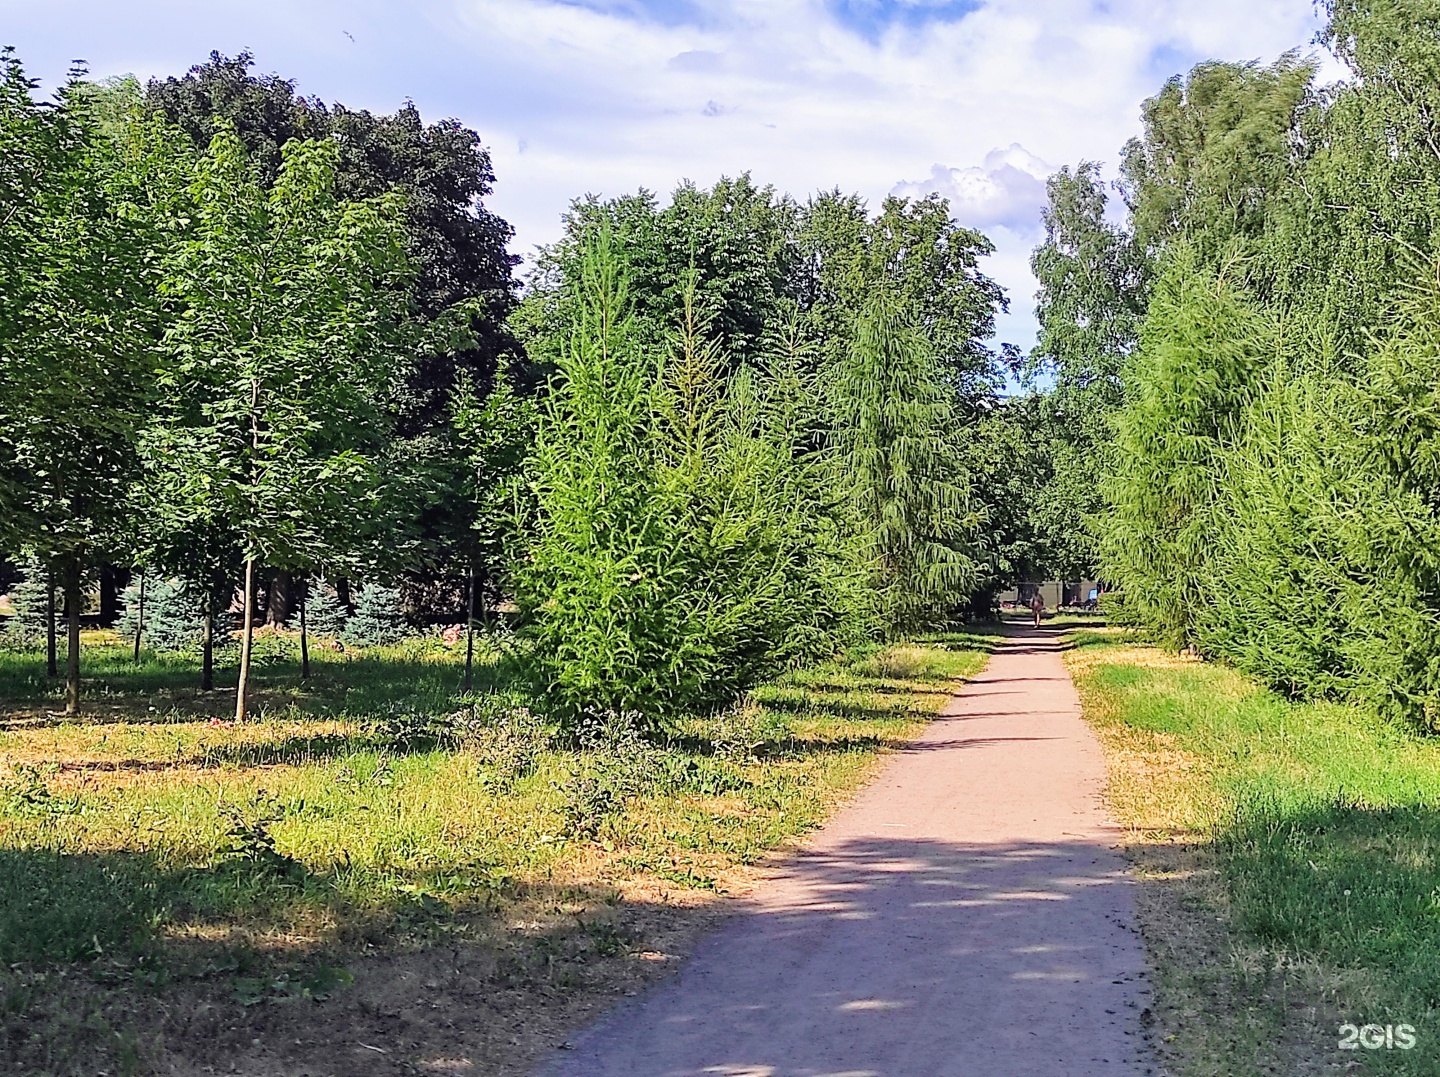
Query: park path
x=966, y=916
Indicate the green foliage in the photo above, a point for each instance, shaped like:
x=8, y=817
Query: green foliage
x=758, y=262
x=243, y=332
x=75, y=350
x=273, y=413
x=1273, y=489
x=379, y=616
x=895, y=424
x=680, y=548
x=291, y=327
x=1094, y=283
x=1201, y=349
x=441, y=170
x=1218, y=146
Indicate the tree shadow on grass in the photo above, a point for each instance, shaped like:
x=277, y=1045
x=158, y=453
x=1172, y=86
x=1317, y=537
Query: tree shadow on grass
x=167, y=691
x=1350, y=885
x=1299, y=916
x=491, y=993
x=813, y=707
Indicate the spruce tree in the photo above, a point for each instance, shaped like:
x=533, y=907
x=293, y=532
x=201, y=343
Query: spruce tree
x=174, y=618
x=26, y=626
x=378, y=617
x=325, y=614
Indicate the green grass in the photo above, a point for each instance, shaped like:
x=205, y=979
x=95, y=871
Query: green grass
x=1321, y=823
x=155, y=846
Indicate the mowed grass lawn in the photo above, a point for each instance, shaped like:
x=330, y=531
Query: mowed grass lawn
x=378, y=873
x=1290, y=858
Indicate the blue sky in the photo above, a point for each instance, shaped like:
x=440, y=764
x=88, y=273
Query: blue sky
x=976, y=99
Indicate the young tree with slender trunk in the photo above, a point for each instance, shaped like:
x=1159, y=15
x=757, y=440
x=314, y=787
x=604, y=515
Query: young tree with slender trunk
x=290, y=331
x=76, y=355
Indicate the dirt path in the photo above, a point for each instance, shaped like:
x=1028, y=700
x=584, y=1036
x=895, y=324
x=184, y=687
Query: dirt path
x=966, y=916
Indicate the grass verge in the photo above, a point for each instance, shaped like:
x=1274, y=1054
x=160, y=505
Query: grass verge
x=1289, y=855
x=378, y=875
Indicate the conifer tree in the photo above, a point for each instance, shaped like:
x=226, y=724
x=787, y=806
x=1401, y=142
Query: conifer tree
x=1202, y=348
x=896, y=426
x=379, y=617
x=174, y=620
x=325, y=614
x=31, y=602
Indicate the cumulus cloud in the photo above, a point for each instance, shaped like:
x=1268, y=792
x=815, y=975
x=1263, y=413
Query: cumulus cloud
x=606, y=96
x=1007, y=190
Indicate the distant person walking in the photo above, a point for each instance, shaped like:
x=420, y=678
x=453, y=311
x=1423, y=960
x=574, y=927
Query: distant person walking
x=1037, y=607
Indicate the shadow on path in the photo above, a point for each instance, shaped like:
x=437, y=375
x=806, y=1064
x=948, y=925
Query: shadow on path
x=968, y=916
x=899, y=957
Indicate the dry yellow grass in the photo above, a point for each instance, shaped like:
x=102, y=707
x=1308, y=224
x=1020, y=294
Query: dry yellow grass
x=550, y=877
x=1155, y=789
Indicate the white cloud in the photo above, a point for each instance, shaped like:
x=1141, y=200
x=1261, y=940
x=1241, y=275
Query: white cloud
x=606, y=96
x=1007, y=190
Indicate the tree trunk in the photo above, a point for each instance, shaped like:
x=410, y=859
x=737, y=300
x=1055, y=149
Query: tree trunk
x=342, y=591
x=279, y=599
x=52, y=668
x=72, y=636
x=304, y=633
x=140, y=618
x=207, y=643
x=109, y=596
x=247, y=634
x=470, y=633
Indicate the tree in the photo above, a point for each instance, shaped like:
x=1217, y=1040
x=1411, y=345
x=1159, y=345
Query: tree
x=674, y=555
x=172, y=617
x=289, y=333
x=487, y=497
x=1218, y=146
x=1202, y=350
x=1094, y=279
x=325, y=614
x=455, y=245
x=32, y=603
x=758, y=259
x=895, y=424
x=732, y=246
x=378, y=618
x=75, y=348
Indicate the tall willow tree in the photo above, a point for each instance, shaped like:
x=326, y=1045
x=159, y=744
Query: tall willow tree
x=895, y=424
x=290, y=332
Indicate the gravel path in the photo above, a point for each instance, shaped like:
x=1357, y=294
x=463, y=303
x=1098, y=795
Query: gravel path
x=966, y=916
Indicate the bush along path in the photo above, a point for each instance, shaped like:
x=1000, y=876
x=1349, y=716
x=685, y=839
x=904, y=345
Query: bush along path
x=968, y=914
